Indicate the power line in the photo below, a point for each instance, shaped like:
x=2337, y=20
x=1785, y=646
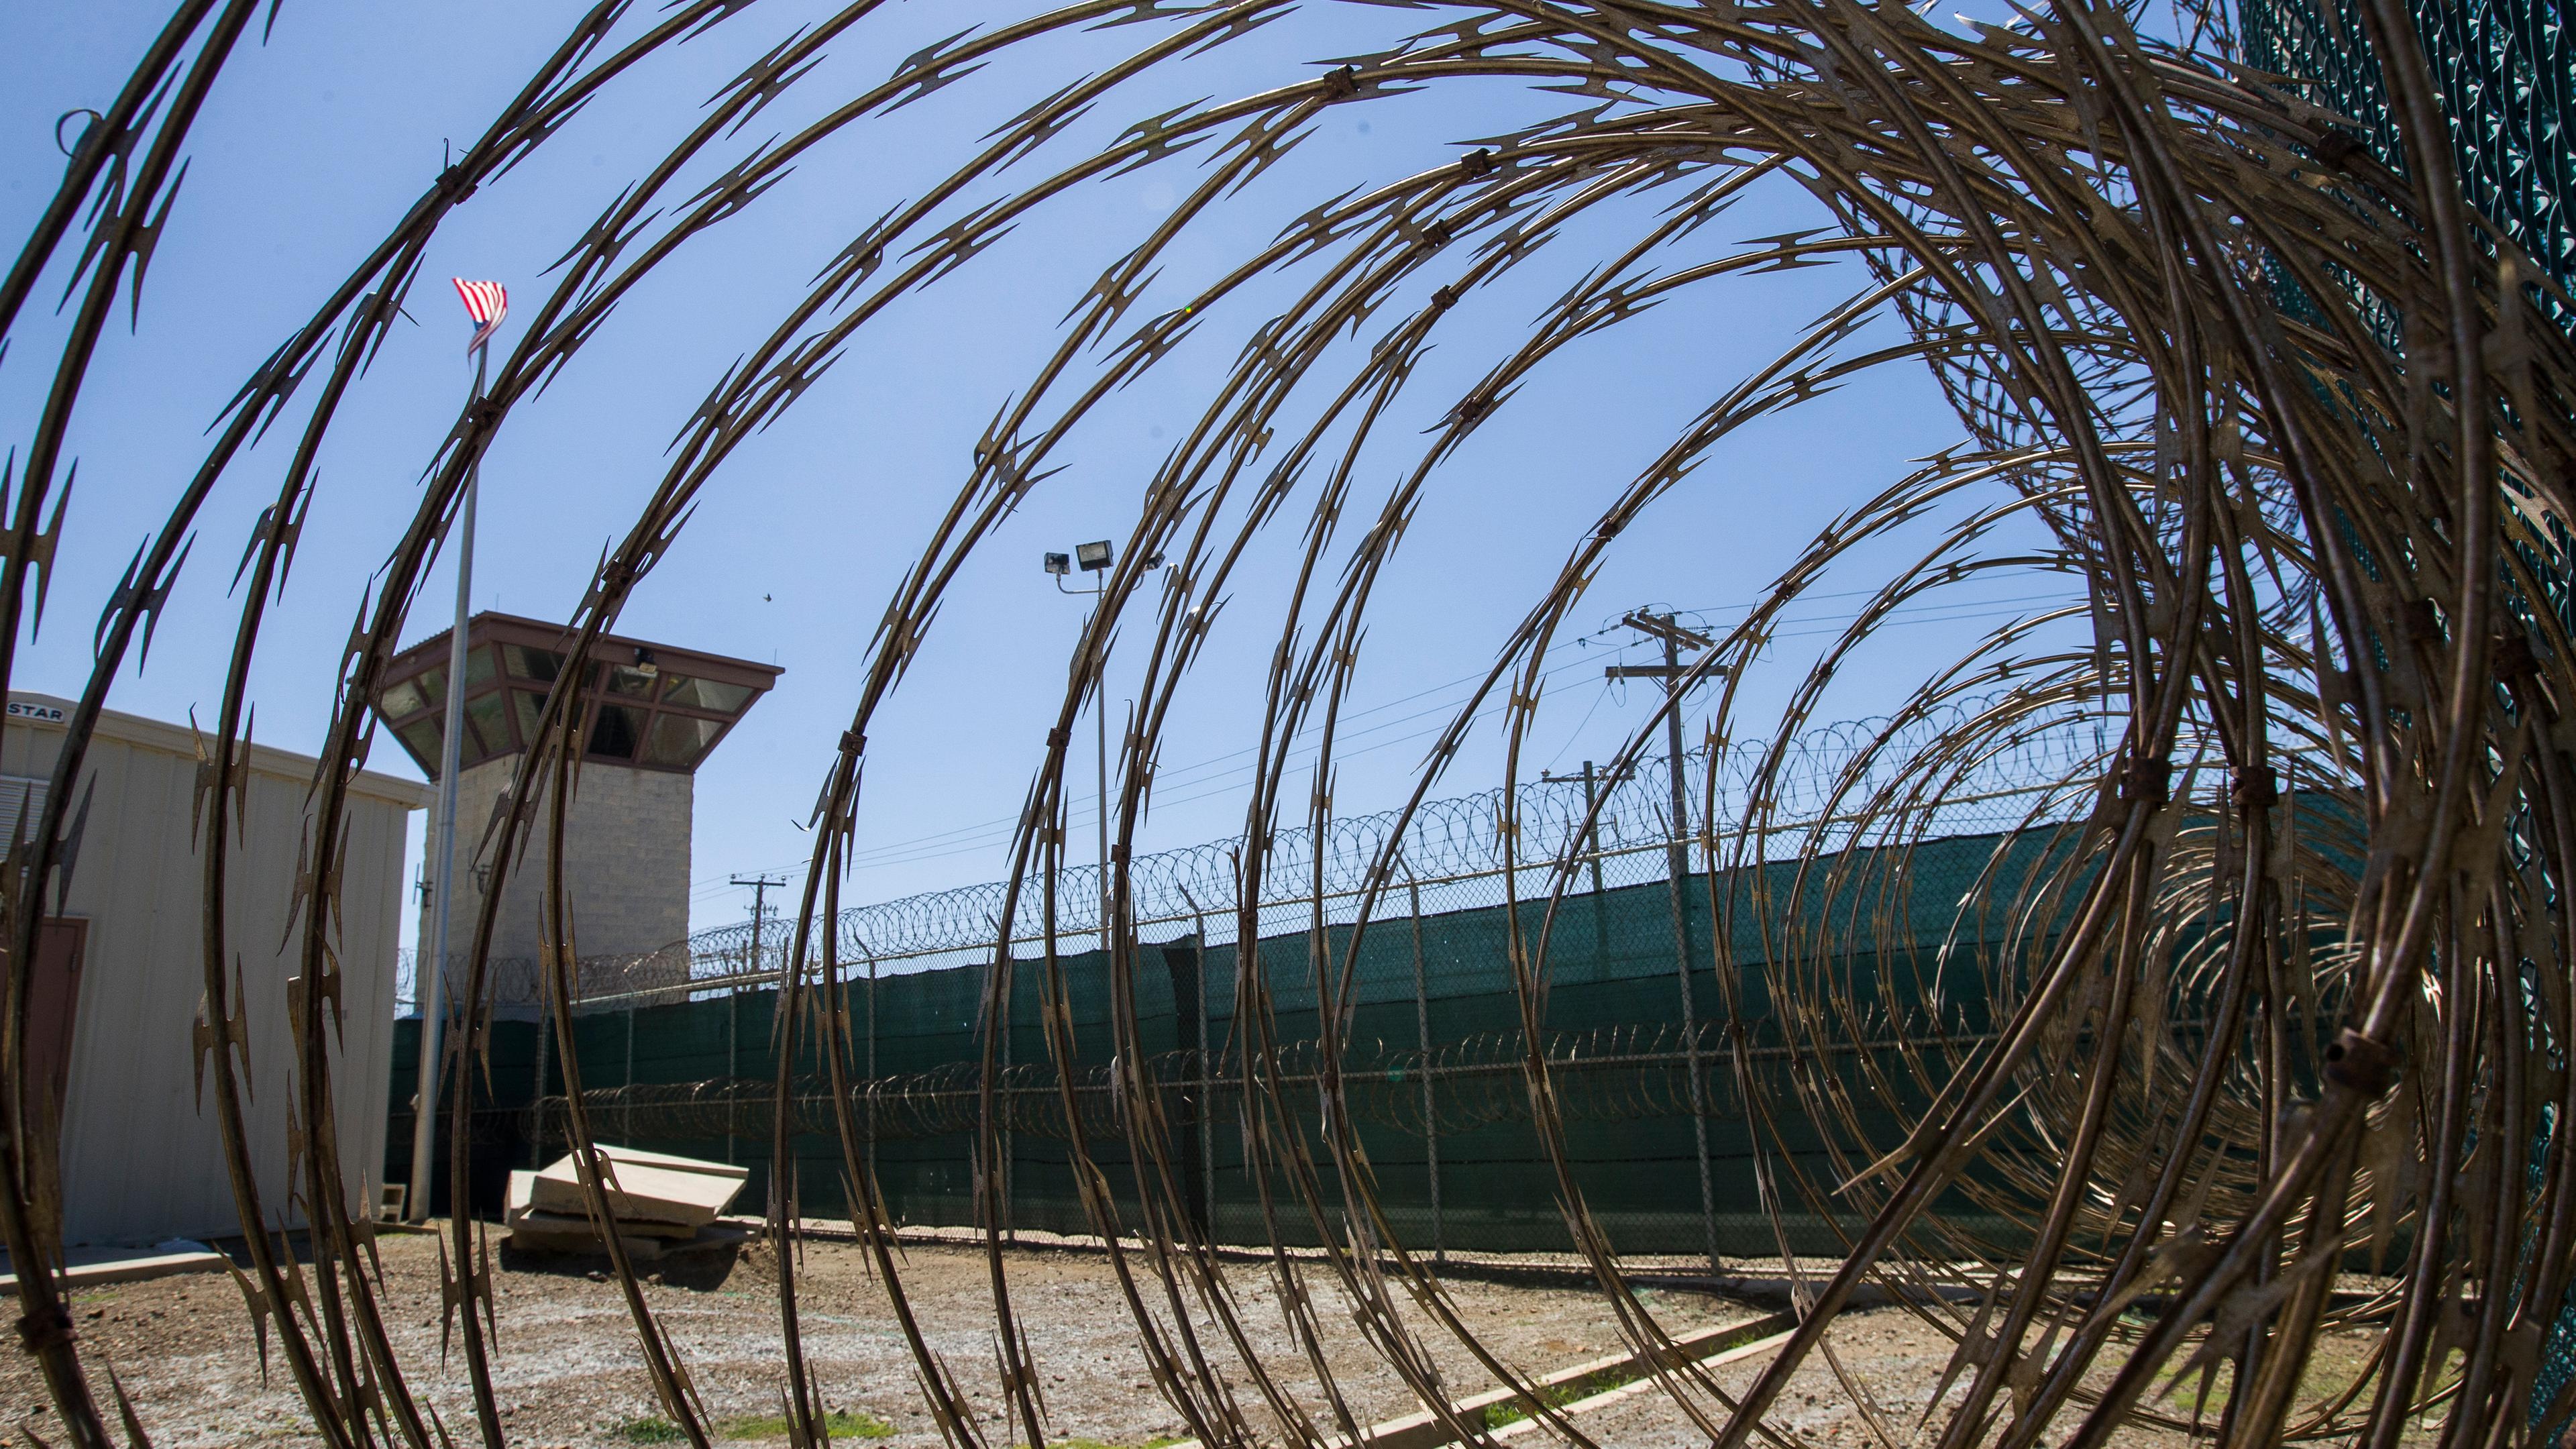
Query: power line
x=1181, y=775
x=969, y=839
x=982, y=836
x=966, y=839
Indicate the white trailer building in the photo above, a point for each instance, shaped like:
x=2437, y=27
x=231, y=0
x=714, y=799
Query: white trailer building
x=120, y=975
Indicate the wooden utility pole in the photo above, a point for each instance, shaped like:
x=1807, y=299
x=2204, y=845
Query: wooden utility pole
x=1674, y=674
x=760, y=885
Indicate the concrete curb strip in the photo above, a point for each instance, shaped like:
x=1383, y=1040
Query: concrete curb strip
x=92, y=1269
x=1712, y=1346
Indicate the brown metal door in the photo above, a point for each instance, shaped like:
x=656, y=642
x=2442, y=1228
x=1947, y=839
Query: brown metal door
x=53, y=1010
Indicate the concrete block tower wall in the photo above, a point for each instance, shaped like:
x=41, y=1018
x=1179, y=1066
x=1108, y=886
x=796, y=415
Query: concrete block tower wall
x=626, y=866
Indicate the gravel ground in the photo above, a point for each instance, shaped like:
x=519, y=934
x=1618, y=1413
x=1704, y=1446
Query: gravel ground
x=568, y=1372
x=1898, y=1361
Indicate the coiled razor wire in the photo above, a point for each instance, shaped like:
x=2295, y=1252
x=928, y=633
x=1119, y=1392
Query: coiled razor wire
x=1445, y=843
x=2285, y=427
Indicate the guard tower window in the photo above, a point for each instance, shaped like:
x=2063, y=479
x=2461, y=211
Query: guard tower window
x=541, y=665
x=612, y=734
x=490, y=727
x=678, y=740
x=421, y=738
x=706, y=694
x=531, y=707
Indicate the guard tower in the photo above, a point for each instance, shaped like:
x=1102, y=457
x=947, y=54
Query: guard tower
x=650, y=714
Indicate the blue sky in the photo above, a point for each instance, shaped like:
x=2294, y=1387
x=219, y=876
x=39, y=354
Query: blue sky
x=313, y=144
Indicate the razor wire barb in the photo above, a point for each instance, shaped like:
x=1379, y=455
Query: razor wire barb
x=2292, y=425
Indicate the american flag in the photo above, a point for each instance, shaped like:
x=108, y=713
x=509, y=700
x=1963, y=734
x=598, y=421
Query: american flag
x=487, y=304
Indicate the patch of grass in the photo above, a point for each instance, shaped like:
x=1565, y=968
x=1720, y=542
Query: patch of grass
x=1559, y=1395
x=840, y=1424
x=2179, y=1394
x=1737, y=1337
x=651, y=1429
x=2334, y=1361
x=1616, y=1376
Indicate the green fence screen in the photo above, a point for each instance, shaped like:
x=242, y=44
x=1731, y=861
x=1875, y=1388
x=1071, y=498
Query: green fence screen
x=1433, y=1054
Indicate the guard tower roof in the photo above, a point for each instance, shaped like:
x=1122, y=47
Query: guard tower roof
x=649, y=706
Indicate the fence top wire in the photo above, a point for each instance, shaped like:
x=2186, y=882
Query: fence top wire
x=1446, y=842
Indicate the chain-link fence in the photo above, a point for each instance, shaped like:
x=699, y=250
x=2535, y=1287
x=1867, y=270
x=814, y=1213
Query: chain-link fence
x=1653, y=1064
x=2507, y=74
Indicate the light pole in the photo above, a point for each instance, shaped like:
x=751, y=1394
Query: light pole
x=1095, y=559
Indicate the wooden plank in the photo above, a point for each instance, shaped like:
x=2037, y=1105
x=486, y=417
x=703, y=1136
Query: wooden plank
x=615, y=1153
x=1725, y=1343
x=545, y=1222
x=641, y=1250
x=642, y=1188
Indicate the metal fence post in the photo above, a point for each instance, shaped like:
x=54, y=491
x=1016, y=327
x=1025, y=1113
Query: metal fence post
x=1185, y=965
x=630, y=1068
x=1678, y=860
x=1590, y=844
x=871, y=1076
x=872, y=1071
x=733, y=1061
x=1207, y=1092
x=537, y=1103
x=1010, y=1145
x=1422, y=1032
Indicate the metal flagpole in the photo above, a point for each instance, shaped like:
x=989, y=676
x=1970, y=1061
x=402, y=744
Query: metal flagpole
x=433, y=965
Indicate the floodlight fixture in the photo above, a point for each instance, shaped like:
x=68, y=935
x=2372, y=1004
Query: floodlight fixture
x=1059, y=564
x=1092, y=556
